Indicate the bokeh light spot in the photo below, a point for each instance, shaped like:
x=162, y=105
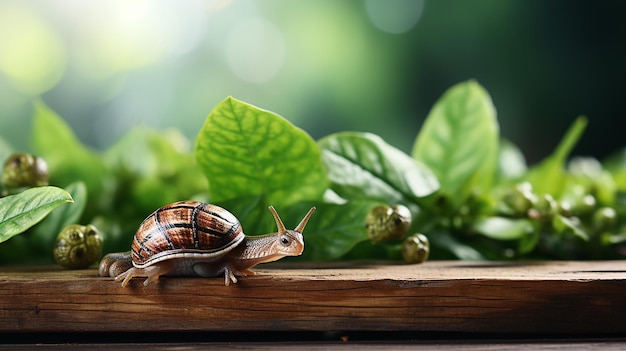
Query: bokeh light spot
x=394, y=16
x=255, y=51
x=31, y=54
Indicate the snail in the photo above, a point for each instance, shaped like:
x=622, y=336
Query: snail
x=23, y=170
x=77, y=246
x=387, y=223
x=189, y=238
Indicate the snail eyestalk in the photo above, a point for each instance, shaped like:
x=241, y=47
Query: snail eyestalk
x=279, y=223
x=304, y=221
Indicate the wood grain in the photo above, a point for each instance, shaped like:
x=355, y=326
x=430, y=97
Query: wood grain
x=446, y=296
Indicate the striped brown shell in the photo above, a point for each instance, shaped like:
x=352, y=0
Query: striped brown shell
x=185, y=229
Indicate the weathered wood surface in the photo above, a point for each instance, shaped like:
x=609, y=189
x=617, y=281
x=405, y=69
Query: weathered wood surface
x=438, y=345
x=448, y=296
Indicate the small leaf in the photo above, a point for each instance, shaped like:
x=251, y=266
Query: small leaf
x=20, y=212
x=547, y=177
x=511, y=161
x=68, y=159
x=501, y=228
x=459, y=141
x=244, y=150
x=363, y=166
x=43, y=234
x=563, y=224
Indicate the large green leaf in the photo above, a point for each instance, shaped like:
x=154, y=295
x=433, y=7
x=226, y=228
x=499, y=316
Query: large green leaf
x=364, y=166
x=244, y=150
x=21, y=211
x=334, y=229
x=548, y=176
x=68, y=159
x=459, y=141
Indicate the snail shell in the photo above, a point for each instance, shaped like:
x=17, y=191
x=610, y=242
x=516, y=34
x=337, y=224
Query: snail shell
x=77, y=246
x=185, y=229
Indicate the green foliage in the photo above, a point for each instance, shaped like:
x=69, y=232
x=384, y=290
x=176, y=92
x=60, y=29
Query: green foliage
x=547, y=177
x=150, y=169
x=243, y=150
x=115, y=189
x=41, y=236
x=459, y=141
x=468, y=190
x=68, y=159
x=21, y=211
x=362, y=165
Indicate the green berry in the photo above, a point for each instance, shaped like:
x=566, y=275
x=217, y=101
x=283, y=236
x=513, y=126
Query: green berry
x=23, y=170
x=387, y=223
x=415, y=248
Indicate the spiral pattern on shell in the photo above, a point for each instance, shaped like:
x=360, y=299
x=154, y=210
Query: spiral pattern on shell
x=185, y=228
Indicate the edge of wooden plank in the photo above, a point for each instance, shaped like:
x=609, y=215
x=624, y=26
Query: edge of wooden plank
x=442, y=296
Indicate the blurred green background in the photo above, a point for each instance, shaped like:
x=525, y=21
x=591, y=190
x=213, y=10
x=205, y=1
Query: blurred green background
x=327, y=66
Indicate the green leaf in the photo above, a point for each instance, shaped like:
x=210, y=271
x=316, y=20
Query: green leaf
x=528, y=242
x=244, y=150
x=44, y=233
x=511, y=161
x=145, y=152
x=364, y=166
x=68, y=159
x=20, y=212
x=501, y=228
x=152, y=168
x=615, y=164
x=459, y=141
x=563, y=224
x=547, y=177
x=334, y=229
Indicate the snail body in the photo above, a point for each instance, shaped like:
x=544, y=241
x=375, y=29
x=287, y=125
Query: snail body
x=189, y=238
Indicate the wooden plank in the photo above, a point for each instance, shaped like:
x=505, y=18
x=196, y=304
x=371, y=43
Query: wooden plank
x=443, y=296
x=442, y=345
